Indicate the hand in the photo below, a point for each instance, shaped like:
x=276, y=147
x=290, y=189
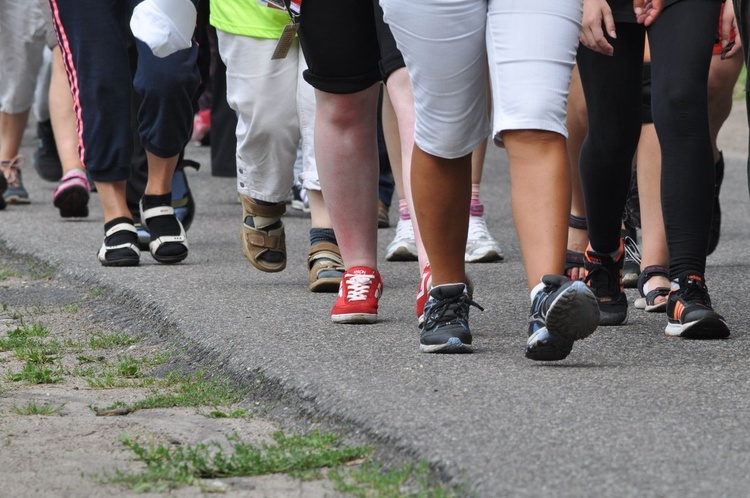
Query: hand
x=732, y=45
x=646, y=11
x=597, y=17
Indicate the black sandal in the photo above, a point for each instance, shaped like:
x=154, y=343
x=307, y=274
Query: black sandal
x=575, y=259
x=647, y=300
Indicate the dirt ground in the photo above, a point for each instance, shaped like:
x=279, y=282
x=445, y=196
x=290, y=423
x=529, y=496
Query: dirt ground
x=67, y=453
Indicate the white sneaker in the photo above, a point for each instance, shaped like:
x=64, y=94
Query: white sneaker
x=480, y=246
x=403, y=247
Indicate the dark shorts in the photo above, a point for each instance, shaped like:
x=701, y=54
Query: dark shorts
x=339, y=40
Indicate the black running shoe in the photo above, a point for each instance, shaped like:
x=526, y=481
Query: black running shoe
x=604, y=277
x=3, y=188
x=563, y=312
x=46, y=161
x=446, y=324
x=713, y=235
x=690, y=313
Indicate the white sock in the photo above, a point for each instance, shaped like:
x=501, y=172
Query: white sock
x=536, y=290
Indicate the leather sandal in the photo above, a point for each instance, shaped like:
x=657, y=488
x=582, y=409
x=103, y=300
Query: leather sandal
x=574, y=259
x=257, y=241
x=326, y=267
x=647, y=301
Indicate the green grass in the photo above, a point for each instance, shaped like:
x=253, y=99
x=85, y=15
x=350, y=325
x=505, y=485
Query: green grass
x=23, y=336
x=32, y=408
x=104, y=340
x=169, y=467
x=96, y=292
x=371, y=480
x=6, y=272
x=34, y=373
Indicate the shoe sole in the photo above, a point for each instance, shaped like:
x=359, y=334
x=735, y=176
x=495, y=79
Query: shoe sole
x=330, y=284
x=710, y=327
x=170, y=260
x=630, y=280
x=555, y=348
x=610, y=318
x=72, y=202
x=401, y=254
x=640, y=304
x=574, y=314
x=355, y=318
x=453, y=346
x=487, y=257
x=14, y=199
x=121, y=262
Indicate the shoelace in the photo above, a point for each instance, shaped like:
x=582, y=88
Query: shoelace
x=10, y=170
x=478, y=228
x=632, y=251
x=696, y=292
x=358, y=287
x=404, y=230
x=460, y=310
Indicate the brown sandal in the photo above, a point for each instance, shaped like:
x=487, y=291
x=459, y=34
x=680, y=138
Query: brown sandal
x=326, y=267
x=257, y=241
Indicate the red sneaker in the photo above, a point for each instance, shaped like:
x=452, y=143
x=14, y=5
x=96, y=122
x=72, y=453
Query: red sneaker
x=359, y=293
x=423, y=292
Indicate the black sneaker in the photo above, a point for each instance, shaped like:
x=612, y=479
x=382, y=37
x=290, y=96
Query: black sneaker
x=446, y=324
x=604, y=277
x=713, y=235
x=3, y=188
x=631, y=269
x=690, y=313
x=563, y=312
x=46, y=161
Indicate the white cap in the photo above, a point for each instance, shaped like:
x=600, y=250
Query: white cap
x=166, y=26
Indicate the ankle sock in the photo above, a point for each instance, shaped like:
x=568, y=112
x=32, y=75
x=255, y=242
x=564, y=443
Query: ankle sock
x=119, y=238
x=476, y=208
x=318, y=235
x=403, y=210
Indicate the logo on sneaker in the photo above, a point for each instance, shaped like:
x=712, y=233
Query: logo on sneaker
x=697, y=278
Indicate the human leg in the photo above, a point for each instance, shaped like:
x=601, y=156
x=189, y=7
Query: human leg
x=577, y=124
x=680, y=115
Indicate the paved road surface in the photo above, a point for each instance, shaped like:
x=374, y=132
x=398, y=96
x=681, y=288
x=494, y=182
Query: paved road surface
x=629, y=413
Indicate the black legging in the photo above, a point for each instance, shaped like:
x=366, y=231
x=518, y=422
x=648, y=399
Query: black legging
x=681, y=42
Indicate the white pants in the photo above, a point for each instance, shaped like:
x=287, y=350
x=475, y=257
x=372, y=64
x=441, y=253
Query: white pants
x=528, y=45
x=22, y=41
x=275, y=109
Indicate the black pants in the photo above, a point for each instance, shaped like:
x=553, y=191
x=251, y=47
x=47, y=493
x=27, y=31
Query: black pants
x=681, y=42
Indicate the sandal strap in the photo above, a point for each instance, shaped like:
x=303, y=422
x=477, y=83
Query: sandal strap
x=647, y=273
x=121, y=227
x=577, y=222
x=654, y=293
x=153, y=212
x=324, y=250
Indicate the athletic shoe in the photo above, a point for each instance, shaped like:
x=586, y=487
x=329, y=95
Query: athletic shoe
x=423, y=293
x=631, y=269
x=384, y=220
x=481, y=247
x=713, y=235
x=563, y=312
x=299, y=198
x=15, y=193
x=403, y=247
x=359, y=293
x=446, y=324
x=690, y=313
x=45, y=160
x=71, y=197
x=604, y=277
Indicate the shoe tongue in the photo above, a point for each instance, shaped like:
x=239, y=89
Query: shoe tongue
x=360, y=271
x=691, y=278
x=447, y=290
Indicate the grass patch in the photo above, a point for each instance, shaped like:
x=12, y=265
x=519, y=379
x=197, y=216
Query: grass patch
x=23, y=336
x=41, y=271
x=169, y=467
x=32, y=408
x=96, y=292
x=371, y=480
x=7, y=272
x=34, y=373
x=104, y=340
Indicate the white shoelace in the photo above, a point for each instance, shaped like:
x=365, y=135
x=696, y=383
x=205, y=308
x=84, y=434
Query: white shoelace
x=478, y=228
x=404, y=230
x=358, y=286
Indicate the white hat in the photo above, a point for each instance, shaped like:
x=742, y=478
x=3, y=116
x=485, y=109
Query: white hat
x=166, y=26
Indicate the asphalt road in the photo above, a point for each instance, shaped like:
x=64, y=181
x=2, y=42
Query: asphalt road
x=629, y=413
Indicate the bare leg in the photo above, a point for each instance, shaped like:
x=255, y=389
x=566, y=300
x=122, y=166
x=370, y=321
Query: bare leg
x=347, y=157
x=577, y=128
x=12, y=127
x=318, y=214
x=653, y=237
x=722, y=77
x=539, y=170
x=448, y=180
x=112, y=197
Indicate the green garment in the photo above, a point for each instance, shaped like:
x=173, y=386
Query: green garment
x=248, y=18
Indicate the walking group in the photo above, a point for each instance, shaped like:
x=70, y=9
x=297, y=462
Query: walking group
x=608, y=111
